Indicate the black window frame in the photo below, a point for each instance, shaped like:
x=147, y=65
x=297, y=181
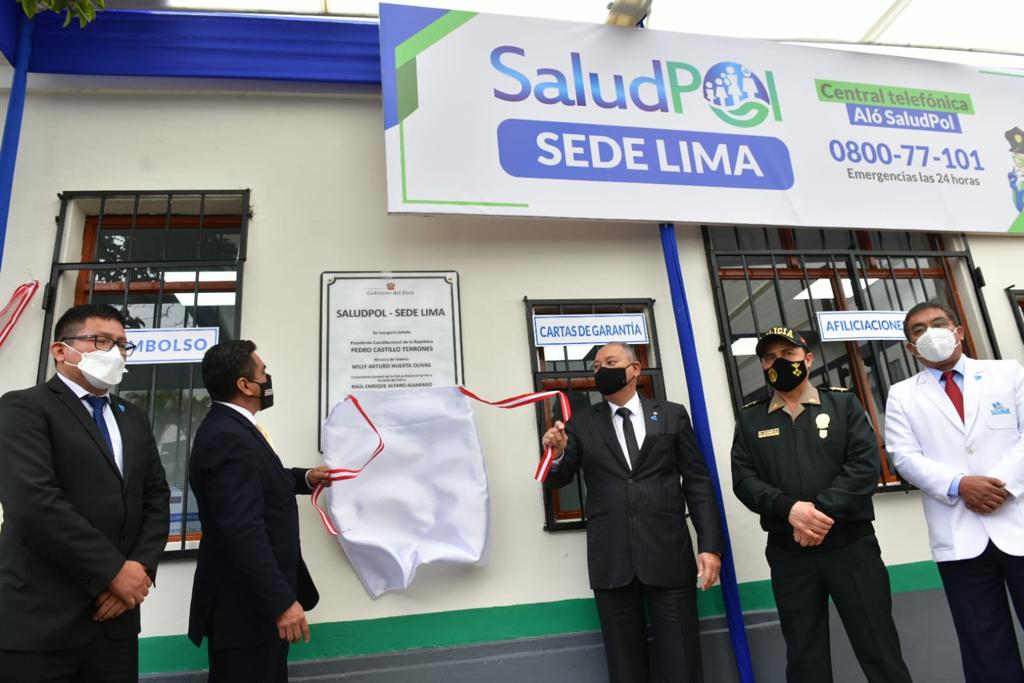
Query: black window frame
x=59, y=267
x=1016, y=297
x=856, y=248
x=655, y=372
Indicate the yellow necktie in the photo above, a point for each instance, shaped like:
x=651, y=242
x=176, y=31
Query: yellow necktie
x=266, y=435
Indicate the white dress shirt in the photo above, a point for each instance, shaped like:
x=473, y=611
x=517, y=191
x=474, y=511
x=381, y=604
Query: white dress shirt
x=108, y=417
x=636, y=417
x=240, y=410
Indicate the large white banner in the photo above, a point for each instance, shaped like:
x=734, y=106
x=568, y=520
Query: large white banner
x=532, y=117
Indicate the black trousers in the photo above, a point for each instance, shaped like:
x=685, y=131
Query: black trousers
x=976, y=590
x=855, y=578
x=674, y=626
x=105, y=660
x=265, y=663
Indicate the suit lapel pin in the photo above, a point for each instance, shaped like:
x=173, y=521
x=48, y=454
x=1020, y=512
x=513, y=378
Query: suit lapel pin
x=654, y=416
x=120, y=406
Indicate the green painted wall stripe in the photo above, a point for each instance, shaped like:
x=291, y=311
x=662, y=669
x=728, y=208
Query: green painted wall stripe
x=433, y=32
x=480, y=625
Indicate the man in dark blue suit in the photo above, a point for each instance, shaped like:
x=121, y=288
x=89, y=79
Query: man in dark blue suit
x=251, y=586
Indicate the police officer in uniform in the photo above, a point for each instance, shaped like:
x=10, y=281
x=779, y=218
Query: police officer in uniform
x=806, y=461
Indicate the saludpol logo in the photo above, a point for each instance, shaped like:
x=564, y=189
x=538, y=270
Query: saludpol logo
x=738, y=96
x=735, y=93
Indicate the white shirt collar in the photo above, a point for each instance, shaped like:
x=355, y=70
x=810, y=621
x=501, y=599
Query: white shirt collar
x=239, y=409
x=78, y=389
x=959, y=368
x=633, y=404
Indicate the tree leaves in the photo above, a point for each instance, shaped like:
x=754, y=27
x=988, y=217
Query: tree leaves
x=83, y=10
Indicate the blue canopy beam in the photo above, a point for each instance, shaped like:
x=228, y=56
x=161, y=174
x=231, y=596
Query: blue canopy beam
x=209, y=45
x=702, y=430
x=12, y=124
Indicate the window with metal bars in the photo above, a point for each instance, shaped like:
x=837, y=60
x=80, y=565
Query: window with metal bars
x=769, y=276
x=1017, y=304
x=570, y=369
x=165, y=259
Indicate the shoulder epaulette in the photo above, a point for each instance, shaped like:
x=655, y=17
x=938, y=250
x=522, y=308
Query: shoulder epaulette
x=824, y=388
x=752, y=404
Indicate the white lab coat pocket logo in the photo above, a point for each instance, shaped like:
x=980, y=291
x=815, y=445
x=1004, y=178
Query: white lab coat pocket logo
x=1000, y=413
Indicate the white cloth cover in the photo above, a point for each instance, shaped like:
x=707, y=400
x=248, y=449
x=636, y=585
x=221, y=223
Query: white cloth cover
x=423, y=499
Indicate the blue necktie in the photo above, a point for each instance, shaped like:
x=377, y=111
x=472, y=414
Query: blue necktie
x=97, y=403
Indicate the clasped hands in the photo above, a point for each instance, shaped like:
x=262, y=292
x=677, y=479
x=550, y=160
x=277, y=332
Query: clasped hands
x=983, y=495
x=127, y=591
x=810, y=525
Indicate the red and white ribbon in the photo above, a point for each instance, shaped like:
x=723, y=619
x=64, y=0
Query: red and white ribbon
x=341, y=474
x=544, y=466
x=16, y=306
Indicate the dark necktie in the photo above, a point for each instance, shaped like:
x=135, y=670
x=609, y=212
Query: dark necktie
x=627, y=430
x=97, y=403
x=953, y=391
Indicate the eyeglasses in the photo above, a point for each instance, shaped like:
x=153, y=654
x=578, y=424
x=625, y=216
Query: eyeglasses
x=102, y=343
x=919, y=329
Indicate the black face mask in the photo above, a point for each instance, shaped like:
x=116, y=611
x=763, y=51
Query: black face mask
x=786, y=375
x=266, y=393
x=610, y=380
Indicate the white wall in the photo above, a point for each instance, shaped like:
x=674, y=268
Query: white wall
x=315, y=165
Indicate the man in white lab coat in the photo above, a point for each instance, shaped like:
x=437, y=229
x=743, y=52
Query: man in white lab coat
x=956, y=431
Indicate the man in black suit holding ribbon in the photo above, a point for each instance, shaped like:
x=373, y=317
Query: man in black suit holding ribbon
x=251, y=588
x=643, y=473
x=85, y=507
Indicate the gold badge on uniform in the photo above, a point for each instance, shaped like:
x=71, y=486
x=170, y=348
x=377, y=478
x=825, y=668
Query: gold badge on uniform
x=765, y=433
x=822, y=422
x=772, y=375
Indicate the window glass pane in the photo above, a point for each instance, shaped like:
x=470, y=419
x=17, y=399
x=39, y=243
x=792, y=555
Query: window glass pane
x=148, y=243
x=919, y=241
x=893, y=240
x=220, y=244
x=809, y=239
x=740, y=312
x=722, y=237
x=839, y=239
x=112, y=245
x=144, y=227
x=751, y=238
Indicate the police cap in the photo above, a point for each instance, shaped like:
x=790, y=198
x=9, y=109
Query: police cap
x=779, y=332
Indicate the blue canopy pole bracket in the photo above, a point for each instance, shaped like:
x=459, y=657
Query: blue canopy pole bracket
x=12, y=125
x=702, y=430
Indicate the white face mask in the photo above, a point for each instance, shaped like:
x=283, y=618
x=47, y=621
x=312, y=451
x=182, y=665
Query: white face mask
x=936, y=344
x=103, y=369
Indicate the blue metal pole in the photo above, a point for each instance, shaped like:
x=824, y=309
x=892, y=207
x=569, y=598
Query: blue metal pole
x=702, y=430
x=12, y=125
